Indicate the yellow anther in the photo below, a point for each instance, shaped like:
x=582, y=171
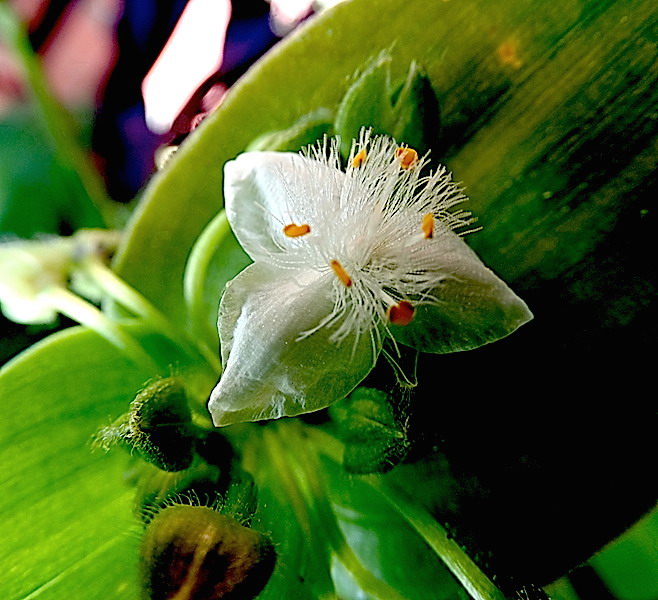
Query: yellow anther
x=401, y=313
x=341, y=273
x=357, y=161
x=293, y=230
x=408, y=157
x=428, y=226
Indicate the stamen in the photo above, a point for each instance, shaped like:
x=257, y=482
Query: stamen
x=401, y=313
x=357, y=161
x=428, y=226
x=294, y=231
x=341, y=273
x=408, y=157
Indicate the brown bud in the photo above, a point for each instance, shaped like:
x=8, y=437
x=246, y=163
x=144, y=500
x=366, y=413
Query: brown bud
x=196, y=553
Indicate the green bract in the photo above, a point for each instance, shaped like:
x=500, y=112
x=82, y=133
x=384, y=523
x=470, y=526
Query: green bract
x=408, y=111
x=340, y=258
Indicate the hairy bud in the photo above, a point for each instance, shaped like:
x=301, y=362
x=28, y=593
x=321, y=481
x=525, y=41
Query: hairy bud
x=196, y=553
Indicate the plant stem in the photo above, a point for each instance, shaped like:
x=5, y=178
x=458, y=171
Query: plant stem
x=85, y=313
x=130, y=298
x=469, y=575
x=197, y=269
x=305, y=470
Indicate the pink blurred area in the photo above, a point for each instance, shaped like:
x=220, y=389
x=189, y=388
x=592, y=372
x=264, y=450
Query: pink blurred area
x=80, y=51
x=77, y=56
x=150, y=70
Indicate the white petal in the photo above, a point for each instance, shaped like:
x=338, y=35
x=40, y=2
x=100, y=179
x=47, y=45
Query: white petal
x=269, y=371
x=470, y=307
x=25, y=309
x=265, y=191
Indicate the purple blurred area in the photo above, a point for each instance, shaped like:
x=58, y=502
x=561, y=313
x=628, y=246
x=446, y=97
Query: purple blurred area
x=98, y=52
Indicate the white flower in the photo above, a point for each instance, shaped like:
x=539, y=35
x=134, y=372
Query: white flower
x=343, y=259
x=29, y=269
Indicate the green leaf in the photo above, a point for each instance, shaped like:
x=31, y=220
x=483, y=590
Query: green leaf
x=387, y=544
x=67, y=517
x=366, y=102
x=68, y=524
x=408, y=111
x=374, y=441
x=305, y=131
x=628, y=565
x=539, y=121
x=38, y=194
x=302, y=570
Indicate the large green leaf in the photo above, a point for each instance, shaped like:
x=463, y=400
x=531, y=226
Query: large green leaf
x=68, y=530
x=66, y=516
x=548, y=116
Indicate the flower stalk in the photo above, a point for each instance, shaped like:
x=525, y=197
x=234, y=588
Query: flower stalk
x=117, y=289
x=70, y=305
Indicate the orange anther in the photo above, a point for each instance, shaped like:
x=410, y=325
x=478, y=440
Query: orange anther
x=294, y=231
x=401, y=313
x=408, y=157
x=428, y=226
x=341, y=273
x=357, y=161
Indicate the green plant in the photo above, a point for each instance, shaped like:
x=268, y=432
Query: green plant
x=547, y=118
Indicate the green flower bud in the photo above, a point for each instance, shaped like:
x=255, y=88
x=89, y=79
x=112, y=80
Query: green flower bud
x=158, y=426
x=374, y=440
x=196, y=553
x=407, y=111
x=305, y=131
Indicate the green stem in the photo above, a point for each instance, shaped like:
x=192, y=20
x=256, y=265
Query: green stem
x=305, y=470
x=130, y=298
x=472, y=579
x=74, y=307
x=197, y=267
x=56, y=120
x=469, y=575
